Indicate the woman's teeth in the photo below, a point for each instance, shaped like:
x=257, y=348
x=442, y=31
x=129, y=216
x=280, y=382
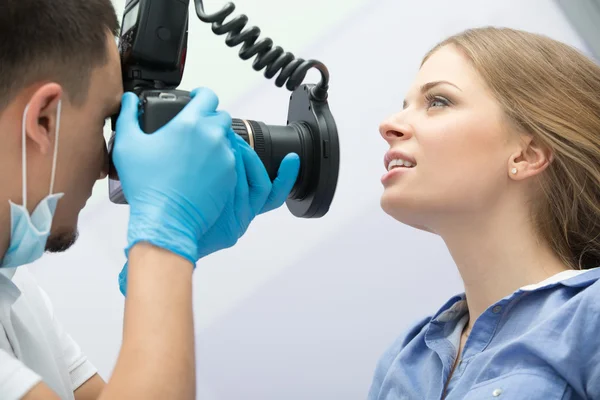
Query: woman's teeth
x=399, y=163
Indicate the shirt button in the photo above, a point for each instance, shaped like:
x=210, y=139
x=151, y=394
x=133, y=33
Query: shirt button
x=497, y=309
x=497, y=392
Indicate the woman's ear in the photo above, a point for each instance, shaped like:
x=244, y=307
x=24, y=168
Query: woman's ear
x=532, y=159
x=40, y=121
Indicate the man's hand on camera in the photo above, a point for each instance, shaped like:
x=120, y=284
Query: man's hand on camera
x=179, y=179
x=254, y=194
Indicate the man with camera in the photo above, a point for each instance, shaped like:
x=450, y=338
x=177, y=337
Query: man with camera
x=193, y=188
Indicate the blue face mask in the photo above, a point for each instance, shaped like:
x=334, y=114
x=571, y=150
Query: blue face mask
x=29, y=234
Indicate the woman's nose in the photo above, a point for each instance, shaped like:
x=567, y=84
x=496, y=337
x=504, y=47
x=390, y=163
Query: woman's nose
x=392, y=130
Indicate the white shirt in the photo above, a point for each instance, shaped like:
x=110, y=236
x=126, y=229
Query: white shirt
x=33, y=345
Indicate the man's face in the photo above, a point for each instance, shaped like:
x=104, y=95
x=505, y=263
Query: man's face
x=82, y=153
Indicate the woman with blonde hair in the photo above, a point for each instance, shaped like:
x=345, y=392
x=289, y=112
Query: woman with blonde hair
x=497, y=151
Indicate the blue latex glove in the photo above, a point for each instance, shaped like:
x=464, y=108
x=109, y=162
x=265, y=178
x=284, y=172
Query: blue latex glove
x=254, y=194
x=157, y=171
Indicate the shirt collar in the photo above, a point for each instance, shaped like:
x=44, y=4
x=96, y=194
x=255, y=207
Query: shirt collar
x=452, y=305
x=456, y=306
x=8, y=272
x=9, y=292
x=572, y=277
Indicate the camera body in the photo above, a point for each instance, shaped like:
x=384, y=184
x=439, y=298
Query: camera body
x=153, y=49
x=157, y=107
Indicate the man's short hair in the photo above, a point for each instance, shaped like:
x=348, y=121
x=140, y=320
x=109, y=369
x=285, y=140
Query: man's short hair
x=56, y=40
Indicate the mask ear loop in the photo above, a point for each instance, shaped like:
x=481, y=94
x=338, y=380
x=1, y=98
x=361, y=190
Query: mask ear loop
x=55, y=157
x=24, y=158
x=24, y=151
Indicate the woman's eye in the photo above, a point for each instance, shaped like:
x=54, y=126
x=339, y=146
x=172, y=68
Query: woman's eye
x=437, y=101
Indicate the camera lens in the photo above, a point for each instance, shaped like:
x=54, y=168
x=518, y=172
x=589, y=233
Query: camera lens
x=315, y=186
x=273, y=143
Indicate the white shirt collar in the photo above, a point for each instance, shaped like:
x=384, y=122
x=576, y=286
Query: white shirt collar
x=559, y=277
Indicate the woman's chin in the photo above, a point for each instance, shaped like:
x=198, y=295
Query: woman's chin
x=394, y=202
x=404, y=210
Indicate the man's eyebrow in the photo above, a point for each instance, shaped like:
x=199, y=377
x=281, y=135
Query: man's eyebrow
x=431, y=85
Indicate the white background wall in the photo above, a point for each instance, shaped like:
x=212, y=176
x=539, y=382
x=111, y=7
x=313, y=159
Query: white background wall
x=299, y=309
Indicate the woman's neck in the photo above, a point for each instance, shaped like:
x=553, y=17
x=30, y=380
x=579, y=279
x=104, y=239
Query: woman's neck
x=498, y=255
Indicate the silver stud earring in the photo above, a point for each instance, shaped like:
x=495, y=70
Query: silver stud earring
x=514, y=171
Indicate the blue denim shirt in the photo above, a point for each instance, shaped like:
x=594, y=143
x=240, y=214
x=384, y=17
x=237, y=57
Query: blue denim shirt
x=541, y=342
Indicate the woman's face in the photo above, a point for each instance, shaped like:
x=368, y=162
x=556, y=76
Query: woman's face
x=452, y=135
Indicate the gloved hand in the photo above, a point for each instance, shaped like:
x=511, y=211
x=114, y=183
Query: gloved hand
x=178, y=179
x=254, y=195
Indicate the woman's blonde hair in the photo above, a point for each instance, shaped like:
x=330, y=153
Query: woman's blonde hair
x=551, y=91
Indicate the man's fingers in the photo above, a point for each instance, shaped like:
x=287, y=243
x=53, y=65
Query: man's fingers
x=221, y=118
x=256, y=173
x=242, y=191
x=284, y=183
x=128, y=120
x=204, y=101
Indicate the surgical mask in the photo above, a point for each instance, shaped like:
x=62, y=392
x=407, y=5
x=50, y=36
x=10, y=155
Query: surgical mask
x=29, y=233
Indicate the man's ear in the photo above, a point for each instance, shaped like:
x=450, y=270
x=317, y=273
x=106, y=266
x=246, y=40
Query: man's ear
x=40, y=121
